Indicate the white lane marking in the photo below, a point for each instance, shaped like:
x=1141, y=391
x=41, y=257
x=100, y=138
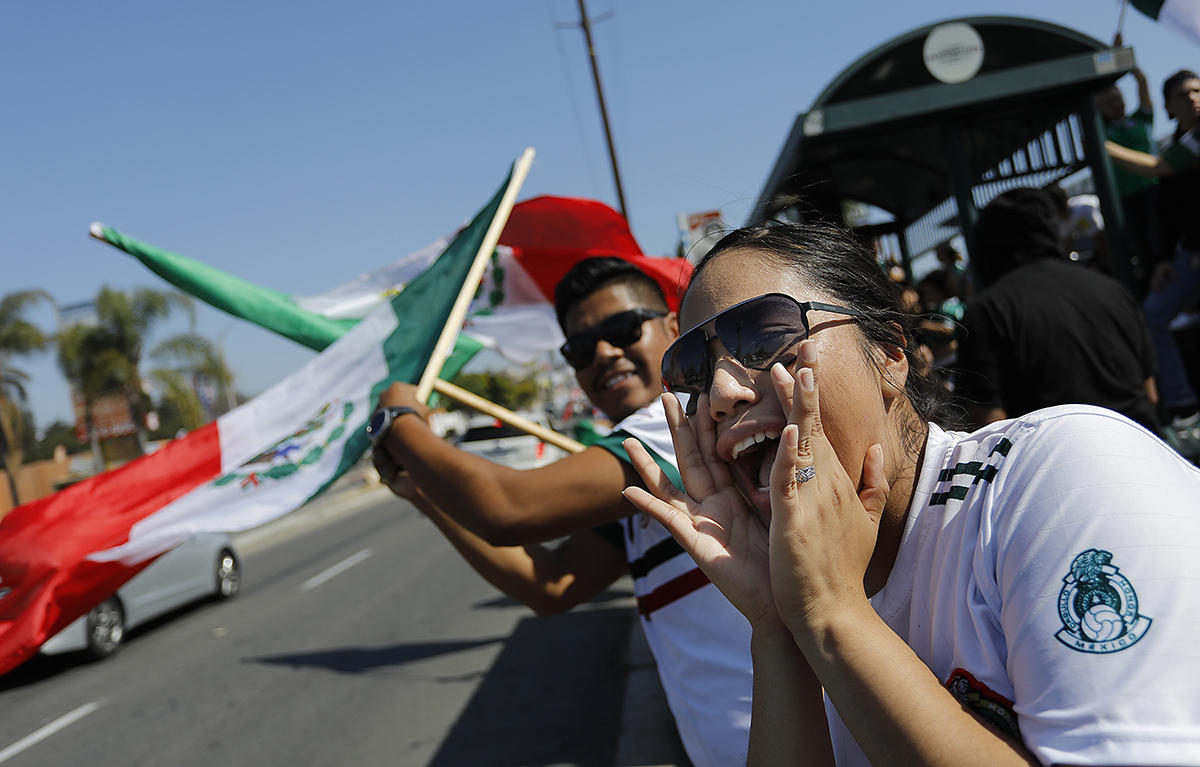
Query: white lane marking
x=37, y=737
x=337, y=569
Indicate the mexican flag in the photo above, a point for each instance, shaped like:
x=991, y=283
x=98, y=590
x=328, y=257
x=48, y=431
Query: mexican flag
x=61, y=555
x=1181, y=15
x=513, y=312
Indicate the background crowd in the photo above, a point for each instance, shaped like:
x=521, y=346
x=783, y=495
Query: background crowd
x=1038, y=319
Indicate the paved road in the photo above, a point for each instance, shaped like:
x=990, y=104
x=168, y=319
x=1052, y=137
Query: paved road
x=359, y=638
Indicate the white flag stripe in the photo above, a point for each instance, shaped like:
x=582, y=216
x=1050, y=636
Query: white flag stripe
x=1184, y=14
x=336, y=570
x=360, y=296
x=520, y=333
x=34, y=738
x=246, y=430
x=334, y=388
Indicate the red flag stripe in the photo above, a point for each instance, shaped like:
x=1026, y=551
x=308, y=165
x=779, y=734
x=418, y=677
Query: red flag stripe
x=52, y=587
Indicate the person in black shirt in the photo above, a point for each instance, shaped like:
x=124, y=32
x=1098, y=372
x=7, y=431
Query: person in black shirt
x=1045, y=331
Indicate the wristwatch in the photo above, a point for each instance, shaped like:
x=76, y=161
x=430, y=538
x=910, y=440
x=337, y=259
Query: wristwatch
x=381, y=421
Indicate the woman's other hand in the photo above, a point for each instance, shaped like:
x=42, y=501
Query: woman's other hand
x=823, y=530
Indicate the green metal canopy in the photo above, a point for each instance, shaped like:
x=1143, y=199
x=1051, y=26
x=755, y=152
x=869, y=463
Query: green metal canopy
x=931, y=125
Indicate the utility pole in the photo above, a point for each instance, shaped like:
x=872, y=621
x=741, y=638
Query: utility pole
x=586, y=24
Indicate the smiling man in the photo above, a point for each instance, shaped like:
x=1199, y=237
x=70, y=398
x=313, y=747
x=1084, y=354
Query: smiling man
x=617, y=326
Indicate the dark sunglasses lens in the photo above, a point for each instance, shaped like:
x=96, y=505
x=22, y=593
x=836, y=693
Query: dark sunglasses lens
x=624, y=330
x=579, y=350
x=685, y=368
x=755, y=333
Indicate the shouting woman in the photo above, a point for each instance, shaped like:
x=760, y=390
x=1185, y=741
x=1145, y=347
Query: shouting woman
x=1025, y=594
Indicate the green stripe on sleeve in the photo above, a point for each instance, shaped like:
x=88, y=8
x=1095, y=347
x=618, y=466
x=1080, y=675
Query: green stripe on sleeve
x=612, y=443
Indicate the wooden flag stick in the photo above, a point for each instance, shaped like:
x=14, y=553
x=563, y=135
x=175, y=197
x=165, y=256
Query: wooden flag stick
x=487, y=407
x=458, y=313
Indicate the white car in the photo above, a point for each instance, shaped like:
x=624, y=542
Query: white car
x=508, y=445
x=203, y=566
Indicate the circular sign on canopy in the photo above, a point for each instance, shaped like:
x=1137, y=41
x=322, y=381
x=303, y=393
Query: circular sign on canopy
x=953, y=52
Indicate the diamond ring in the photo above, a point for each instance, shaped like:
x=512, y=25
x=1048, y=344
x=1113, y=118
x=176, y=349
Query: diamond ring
x=805, y=473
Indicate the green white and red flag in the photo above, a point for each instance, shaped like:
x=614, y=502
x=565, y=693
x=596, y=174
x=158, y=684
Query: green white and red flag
x=1180, y=15
x=61, y=555
x=513, y=312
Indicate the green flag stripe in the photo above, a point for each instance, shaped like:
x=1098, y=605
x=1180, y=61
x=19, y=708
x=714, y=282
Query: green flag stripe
x=262, y=306
x=421, y=311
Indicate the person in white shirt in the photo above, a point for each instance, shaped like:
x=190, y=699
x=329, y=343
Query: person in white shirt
x=1026, y=594
x=617, y=324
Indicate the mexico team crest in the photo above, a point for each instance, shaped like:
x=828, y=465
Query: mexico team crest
x=1098, y=606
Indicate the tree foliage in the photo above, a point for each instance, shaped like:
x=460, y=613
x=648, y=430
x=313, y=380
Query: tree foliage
x=17, y=336
x=502, y=388
x=57, y=433
x=105, y=357
x=202, y=363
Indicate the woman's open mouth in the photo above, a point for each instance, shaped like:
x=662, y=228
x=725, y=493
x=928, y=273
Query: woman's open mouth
x=753, y=458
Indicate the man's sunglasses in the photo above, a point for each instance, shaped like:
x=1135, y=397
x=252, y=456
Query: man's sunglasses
x=623, y=329
x=756, y=333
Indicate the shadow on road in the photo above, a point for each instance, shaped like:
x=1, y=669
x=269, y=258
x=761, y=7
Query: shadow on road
x=357, y=660
x=611, y=595
x=41, y=667
x=553, y=696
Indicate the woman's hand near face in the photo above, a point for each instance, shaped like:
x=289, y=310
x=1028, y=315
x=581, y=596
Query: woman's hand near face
x=823, y=531
x=711, y=520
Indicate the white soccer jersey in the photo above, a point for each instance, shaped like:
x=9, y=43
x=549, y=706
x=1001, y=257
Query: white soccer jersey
x=701, y=643
x=1048, y=576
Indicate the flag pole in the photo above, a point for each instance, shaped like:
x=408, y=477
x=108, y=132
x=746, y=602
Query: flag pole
x=1121, y=19
x=487, y=407
x=458, y=313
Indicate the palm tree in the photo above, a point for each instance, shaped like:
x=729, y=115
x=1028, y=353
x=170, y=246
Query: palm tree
x=199, y=358
x=105, y=358
x=179, y=392
x=17, y=336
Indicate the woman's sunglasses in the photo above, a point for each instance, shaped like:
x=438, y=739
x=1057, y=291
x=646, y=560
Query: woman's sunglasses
x=623, y=329
x=755, y=333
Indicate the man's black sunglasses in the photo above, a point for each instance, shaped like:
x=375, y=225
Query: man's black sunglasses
x=756, y=333
x=623, y=329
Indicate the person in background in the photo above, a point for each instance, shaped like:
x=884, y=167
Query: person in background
x=959, y=283
x=1175, y=278
x=1138, y=193
x=617, y=326
x=1044, y=331
x=1022, y=595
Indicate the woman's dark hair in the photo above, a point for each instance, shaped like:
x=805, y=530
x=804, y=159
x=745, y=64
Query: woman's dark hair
x=592, y=274
x=835, y=262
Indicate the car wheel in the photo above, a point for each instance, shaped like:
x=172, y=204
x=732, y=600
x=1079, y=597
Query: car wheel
x=105, y=628
x=229, y=575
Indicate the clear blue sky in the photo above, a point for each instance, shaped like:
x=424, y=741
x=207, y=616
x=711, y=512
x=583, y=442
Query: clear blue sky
x=299, y=143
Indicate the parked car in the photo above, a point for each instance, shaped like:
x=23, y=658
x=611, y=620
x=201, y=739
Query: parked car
x=499, y=442
x=204, y=566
